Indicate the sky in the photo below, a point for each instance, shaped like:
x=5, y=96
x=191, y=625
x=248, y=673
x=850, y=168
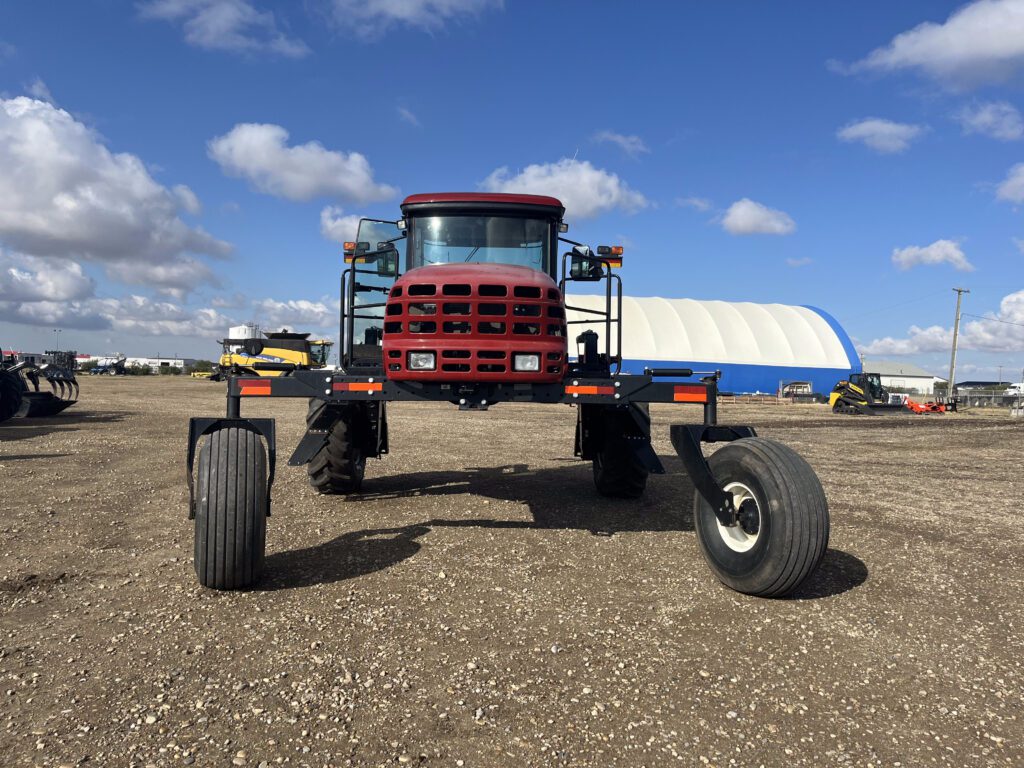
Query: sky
x=169, y=168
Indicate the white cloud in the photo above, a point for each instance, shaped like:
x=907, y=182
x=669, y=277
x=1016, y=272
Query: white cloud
x=260, y=153
x=296, y=313
x=226, y=25
x=747, y=217
x=632, y=145
x=407, y=116
x=996, y=119
x=188, y=200
x=373, y=18
x=980, y=42
x=29, y=278
x=701, y=204
x=1012, y=187
x=237, y=300
x=336, y=226
x=803, y=261
x=37, y=89
x=7, y=51
x=584, y=190
x=939, y=252
x=934, y=338
x=1019, y=242
x=175, y=279
x=881, y=135
x=63, y=194
x=135, y=315
x=1001, y=331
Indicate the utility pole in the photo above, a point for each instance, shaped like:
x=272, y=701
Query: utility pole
x=956, y=332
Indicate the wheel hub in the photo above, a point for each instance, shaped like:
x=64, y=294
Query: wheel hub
x=748, y=517
x=742, y=536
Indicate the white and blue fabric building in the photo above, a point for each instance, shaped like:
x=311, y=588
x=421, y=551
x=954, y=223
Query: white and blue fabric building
x=756, y=346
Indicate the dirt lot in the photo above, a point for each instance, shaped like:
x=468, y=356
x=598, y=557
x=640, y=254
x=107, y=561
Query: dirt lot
x=480, y=605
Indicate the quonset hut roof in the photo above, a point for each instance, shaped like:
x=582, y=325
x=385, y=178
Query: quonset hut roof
x=756, y=346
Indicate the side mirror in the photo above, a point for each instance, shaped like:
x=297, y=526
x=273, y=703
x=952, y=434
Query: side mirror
x=387, y=263
x=585, y=269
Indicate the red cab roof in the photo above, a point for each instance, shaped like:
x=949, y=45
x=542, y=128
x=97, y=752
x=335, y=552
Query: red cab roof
x=482, y=197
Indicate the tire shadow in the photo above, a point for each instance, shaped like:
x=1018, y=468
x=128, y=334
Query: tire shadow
x=345, y=557
x=839, y=572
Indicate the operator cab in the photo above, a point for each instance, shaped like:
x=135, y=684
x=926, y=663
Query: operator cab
x=871, y=385
x=516, y=230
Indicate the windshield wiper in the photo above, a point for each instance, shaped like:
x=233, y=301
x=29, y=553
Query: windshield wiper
x=472, y=253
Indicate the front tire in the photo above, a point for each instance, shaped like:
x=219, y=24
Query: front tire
x=339, y=467
x=784, y=522
x=618, y=473
x=232, y=508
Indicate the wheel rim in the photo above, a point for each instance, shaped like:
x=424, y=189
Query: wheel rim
x=739, y=538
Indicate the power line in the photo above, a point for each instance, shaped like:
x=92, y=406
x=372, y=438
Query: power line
x=901, y=304
x=993, y=319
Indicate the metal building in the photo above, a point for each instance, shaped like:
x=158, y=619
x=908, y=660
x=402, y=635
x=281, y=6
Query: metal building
x=756, y=346
x=899, y=376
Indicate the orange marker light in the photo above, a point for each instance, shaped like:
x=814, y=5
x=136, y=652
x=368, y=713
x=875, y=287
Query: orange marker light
x=690, y=393
x=255, y=387
x=589, y=390
x=358, y=386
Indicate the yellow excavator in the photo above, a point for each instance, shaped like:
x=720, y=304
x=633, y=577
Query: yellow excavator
x=278, y=353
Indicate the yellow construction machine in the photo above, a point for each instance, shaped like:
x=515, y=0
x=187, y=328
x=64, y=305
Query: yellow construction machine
x=278, y=353
x=863, y=393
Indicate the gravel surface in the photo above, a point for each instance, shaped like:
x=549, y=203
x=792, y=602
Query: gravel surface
x=480, y=605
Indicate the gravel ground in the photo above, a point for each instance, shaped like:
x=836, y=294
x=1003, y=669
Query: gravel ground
x=480, y=605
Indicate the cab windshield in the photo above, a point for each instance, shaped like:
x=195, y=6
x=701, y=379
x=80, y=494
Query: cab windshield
x=480, y=240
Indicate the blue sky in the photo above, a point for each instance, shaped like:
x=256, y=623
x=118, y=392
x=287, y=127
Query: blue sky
x=174, y=166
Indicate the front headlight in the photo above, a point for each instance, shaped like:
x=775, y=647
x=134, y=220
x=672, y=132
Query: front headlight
x=422, y=361
x=526, y=362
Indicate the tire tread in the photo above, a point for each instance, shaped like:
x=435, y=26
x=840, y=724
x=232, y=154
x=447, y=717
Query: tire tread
x=231, y=511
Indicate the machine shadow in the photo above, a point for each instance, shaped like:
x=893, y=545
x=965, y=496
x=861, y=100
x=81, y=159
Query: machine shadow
x=30, y=456
x=561, y=497
x=26, y=428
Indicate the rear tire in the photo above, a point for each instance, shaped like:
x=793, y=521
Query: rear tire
x=231, y=510
x=786, y=527
x=10, y=395
x=339, y=466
